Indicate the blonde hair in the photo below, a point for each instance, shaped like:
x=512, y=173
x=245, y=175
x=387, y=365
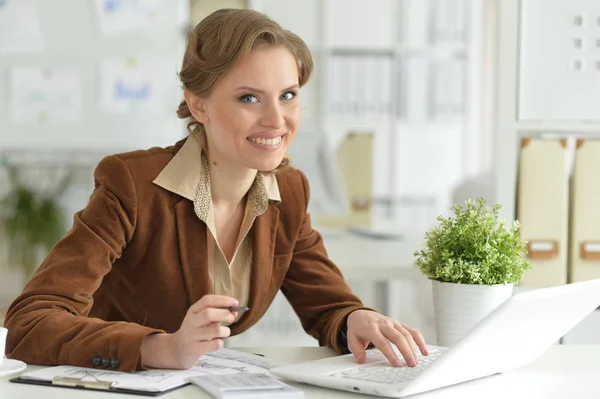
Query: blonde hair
x=222, y=38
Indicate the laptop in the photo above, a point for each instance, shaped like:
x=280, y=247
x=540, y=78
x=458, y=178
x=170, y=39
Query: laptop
x=514, y=334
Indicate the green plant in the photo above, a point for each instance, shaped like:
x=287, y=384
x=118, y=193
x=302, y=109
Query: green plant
x=31, y=221
x=473, y=247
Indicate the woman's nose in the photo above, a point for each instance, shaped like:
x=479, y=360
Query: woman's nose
x=273, y=117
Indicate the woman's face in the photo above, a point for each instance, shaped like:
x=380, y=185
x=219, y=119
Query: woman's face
x=253, y=111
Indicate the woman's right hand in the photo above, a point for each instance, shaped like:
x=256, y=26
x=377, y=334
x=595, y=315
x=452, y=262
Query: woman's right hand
x=201, y=332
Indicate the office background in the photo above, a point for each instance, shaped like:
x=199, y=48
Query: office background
x=414, y=104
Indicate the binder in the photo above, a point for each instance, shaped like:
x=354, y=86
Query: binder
x=355, y=160
x=585, y=230
x=543, y=209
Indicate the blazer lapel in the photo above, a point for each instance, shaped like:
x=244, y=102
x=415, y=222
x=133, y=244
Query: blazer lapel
x=191, y=233
x=263, y=231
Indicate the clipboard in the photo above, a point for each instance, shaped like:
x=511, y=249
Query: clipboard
x=155, y=382
x=98, y=385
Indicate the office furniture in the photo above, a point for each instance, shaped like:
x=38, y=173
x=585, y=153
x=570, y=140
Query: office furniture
x=543, y=210
x=529, y=62
x=569, y=69
x=563, y=371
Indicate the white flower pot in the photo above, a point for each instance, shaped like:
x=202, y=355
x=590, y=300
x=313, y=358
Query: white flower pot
x=460, y=307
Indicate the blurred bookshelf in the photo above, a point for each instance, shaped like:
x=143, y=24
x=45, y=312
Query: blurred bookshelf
x=400, y=71
x=396, y=89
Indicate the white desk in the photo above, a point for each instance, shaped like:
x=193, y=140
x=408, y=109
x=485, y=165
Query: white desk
x=564, y=371
x=360, y=257
x=376, y=261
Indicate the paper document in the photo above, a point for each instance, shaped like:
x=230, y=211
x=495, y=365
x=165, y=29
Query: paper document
x=120, y=16
x=20, y=29
x=222, y=362
x=45, y=94
x=244, y=357
x=133, y=84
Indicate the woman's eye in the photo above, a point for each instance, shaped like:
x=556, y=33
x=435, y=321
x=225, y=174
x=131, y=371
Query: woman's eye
x=248, y=98
x=288, y=95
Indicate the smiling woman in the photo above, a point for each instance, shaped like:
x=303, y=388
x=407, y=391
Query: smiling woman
x=173, y=238
x=251, y=115
x=260, y=72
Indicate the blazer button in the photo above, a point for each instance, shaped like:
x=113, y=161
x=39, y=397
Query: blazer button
x=96, y=360
x=105, y=362
x=114, y=362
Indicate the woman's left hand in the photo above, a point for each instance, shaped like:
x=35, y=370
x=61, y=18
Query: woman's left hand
x=366, y=327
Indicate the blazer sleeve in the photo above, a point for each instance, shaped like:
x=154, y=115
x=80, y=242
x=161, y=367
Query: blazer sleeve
x=48, y=323
x=315, y=287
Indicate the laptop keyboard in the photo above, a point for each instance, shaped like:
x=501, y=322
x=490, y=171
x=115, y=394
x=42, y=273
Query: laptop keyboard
x=384, y=372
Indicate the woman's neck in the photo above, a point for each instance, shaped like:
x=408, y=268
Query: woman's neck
x=229, y=183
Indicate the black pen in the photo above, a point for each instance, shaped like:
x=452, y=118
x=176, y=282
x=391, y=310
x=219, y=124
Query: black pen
x=239, y=309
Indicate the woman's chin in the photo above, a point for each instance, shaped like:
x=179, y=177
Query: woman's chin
x=267, y=165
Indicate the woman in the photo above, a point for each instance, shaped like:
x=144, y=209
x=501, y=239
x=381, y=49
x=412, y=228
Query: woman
x=173, y=237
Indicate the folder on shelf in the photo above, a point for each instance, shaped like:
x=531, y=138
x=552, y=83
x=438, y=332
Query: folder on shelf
x=585, y=214
x=543, y=209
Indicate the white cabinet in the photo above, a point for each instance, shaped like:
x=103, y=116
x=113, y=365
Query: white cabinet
x=560, y=60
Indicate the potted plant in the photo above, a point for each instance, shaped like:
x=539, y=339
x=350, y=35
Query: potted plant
x=473, y=259
x=31, y=220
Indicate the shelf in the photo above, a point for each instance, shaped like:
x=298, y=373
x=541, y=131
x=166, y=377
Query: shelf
x=434, y=52
x=564, y=128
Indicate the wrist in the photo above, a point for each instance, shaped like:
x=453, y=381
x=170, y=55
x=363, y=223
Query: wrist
x=156, y=351
x=343, y=336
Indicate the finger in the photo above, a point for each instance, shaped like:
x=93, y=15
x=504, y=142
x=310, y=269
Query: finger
x=213, y=301
x=210, y=315
x=211, y=346
x=383, y=344
x=233, y=318
x=399, y=327
x=403, y=341
x=357, y=348
x=212, y=332
x=418, y=338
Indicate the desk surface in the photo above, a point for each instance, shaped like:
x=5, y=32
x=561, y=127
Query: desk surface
x=383, y=259
x=563, y=371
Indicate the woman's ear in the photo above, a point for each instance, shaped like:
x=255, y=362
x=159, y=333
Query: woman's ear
x=197, y=106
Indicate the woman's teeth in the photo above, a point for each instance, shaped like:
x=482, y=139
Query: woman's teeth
x=273, y=142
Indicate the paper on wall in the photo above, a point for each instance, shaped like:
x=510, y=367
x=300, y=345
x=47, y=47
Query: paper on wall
x=118, y=16
x=20, y=29
x=45, y=95
x=132, y=84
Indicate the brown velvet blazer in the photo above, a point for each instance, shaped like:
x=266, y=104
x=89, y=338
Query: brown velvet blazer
x=135, y=261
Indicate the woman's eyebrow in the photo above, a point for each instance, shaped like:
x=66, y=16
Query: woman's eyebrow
x=255, y=90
